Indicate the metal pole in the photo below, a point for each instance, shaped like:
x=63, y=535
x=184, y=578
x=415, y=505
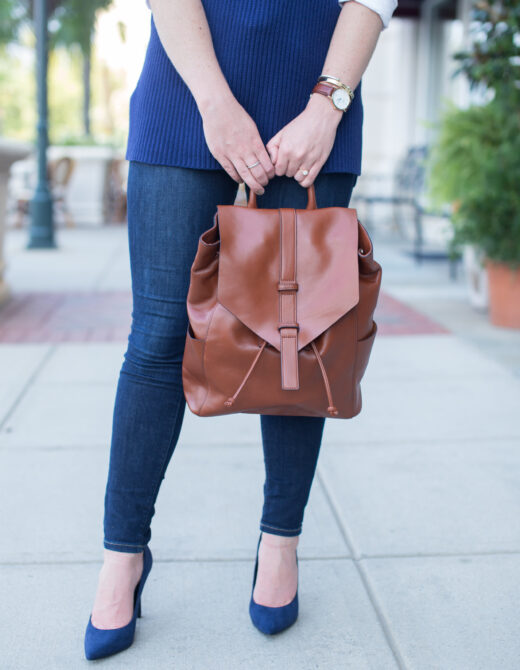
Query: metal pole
x=41, y=231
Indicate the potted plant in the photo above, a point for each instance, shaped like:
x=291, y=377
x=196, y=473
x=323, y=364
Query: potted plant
x=475, y=163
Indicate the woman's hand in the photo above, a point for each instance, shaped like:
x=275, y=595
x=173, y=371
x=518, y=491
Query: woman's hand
x=230, y=133
x=306, y=142
x=234, y=140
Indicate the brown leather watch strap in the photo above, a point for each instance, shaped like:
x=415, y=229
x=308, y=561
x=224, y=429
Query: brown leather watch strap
x=324, y=88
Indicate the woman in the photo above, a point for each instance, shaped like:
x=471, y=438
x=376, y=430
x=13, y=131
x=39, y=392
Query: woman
x=225, y=96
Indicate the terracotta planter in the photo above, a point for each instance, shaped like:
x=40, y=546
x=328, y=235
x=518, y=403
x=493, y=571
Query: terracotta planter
x=504, y=294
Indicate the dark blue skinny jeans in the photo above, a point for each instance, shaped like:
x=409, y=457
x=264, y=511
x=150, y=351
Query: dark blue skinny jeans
x=168, y=209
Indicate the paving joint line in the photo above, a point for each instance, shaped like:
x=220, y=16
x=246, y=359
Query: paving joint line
x=249, y=445
x=362, y=572
x=97, y=561
x=234, y=559
x=444, y=554
x=420, y=440
x=30, y=380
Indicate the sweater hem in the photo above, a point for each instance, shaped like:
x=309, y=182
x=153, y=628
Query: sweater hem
x=150, y=160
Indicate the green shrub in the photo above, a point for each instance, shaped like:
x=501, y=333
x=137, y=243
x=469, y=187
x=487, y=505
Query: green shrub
x=475, y=165
x=475, y=162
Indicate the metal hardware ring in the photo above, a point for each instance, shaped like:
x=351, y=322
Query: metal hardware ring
x=254, y=165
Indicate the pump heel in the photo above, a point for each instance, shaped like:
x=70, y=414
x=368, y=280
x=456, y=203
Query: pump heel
x=271, y=620
x=100, y=642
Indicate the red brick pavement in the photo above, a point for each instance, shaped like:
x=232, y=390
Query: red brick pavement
x=106, y=316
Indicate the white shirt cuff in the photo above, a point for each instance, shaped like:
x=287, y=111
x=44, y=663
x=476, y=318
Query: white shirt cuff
x=385, y=8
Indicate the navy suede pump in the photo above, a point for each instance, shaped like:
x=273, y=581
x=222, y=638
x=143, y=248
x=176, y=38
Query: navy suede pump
x=105, y=642
x=270, y=620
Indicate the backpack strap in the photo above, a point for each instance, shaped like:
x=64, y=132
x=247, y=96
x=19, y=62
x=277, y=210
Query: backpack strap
x=287, y=291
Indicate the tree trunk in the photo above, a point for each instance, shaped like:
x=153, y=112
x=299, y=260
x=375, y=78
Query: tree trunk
x=86, y=92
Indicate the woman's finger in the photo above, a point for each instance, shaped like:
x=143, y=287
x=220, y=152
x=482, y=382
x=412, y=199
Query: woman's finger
x=258, y=171
x=299, y=176
x=266, y=161
x=295, y=163
x=305, y=165
x=273, y=153
x=248, y=176
x=273, y=147
x=281, y=162
x=230, y=169
x=313, y=173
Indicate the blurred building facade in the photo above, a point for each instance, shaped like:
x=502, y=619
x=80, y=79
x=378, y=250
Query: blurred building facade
x=406, y=84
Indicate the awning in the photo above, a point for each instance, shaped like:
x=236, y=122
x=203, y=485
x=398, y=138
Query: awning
x=411, y=9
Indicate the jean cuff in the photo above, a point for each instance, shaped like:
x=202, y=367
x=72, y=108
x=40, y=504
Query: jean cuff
x=274, y=530
x=121, y=546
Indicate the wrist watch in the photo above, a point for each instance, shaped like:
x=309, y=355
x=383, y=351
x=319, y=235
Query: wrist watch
x=338, y=95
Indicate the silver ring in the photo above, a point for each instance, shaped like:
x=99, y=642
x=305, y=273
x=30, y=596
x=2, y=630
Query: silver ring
x=254, y=164
x=304, y=172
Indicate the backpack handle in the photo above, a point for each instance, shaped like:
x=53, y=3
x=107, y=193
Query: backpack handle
x=311, y=198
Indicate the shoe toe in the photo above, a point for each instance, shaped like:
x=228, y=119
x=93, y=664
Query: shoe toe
x=100, y=643
x=272, y=620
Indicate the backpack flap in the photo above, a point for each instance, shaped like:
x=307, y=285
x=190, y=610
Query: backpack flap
x=288, y=274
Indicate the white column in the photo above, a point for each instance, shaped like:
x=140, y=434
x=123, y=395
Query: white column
x=10, y=152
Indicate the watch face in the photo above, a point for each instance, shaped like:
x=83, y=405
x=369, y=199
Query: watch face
x=341, y=98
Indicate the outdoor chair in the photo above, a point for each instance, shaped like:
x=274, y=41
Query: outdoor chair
x=59, y=173
x=409, y=207
x=116, y=191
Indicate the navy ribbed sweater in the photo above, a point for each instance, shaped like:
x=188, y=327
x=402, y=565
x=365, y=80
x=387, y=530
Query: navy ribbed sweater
x=271, y=53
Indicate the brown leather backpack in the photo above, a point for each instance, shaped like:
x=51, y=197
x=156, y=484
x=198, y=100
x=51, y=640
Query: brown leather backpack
x=280, y=309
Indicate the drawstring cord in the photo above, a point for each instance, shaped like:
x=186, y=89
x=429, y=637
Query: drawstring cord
x=331, y=409
x=232, y=399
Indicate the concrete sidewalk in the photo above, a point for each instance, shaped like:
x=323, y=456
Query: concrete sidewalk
x=410, y=556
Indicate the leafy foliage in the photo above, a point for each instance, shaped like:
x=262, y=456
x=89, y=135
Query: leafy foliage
x=475, y=163
x=71, y=24
x=17, y=111
x=494, y=57
x=14, y=14
x=73, y=21
x=76, y=20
